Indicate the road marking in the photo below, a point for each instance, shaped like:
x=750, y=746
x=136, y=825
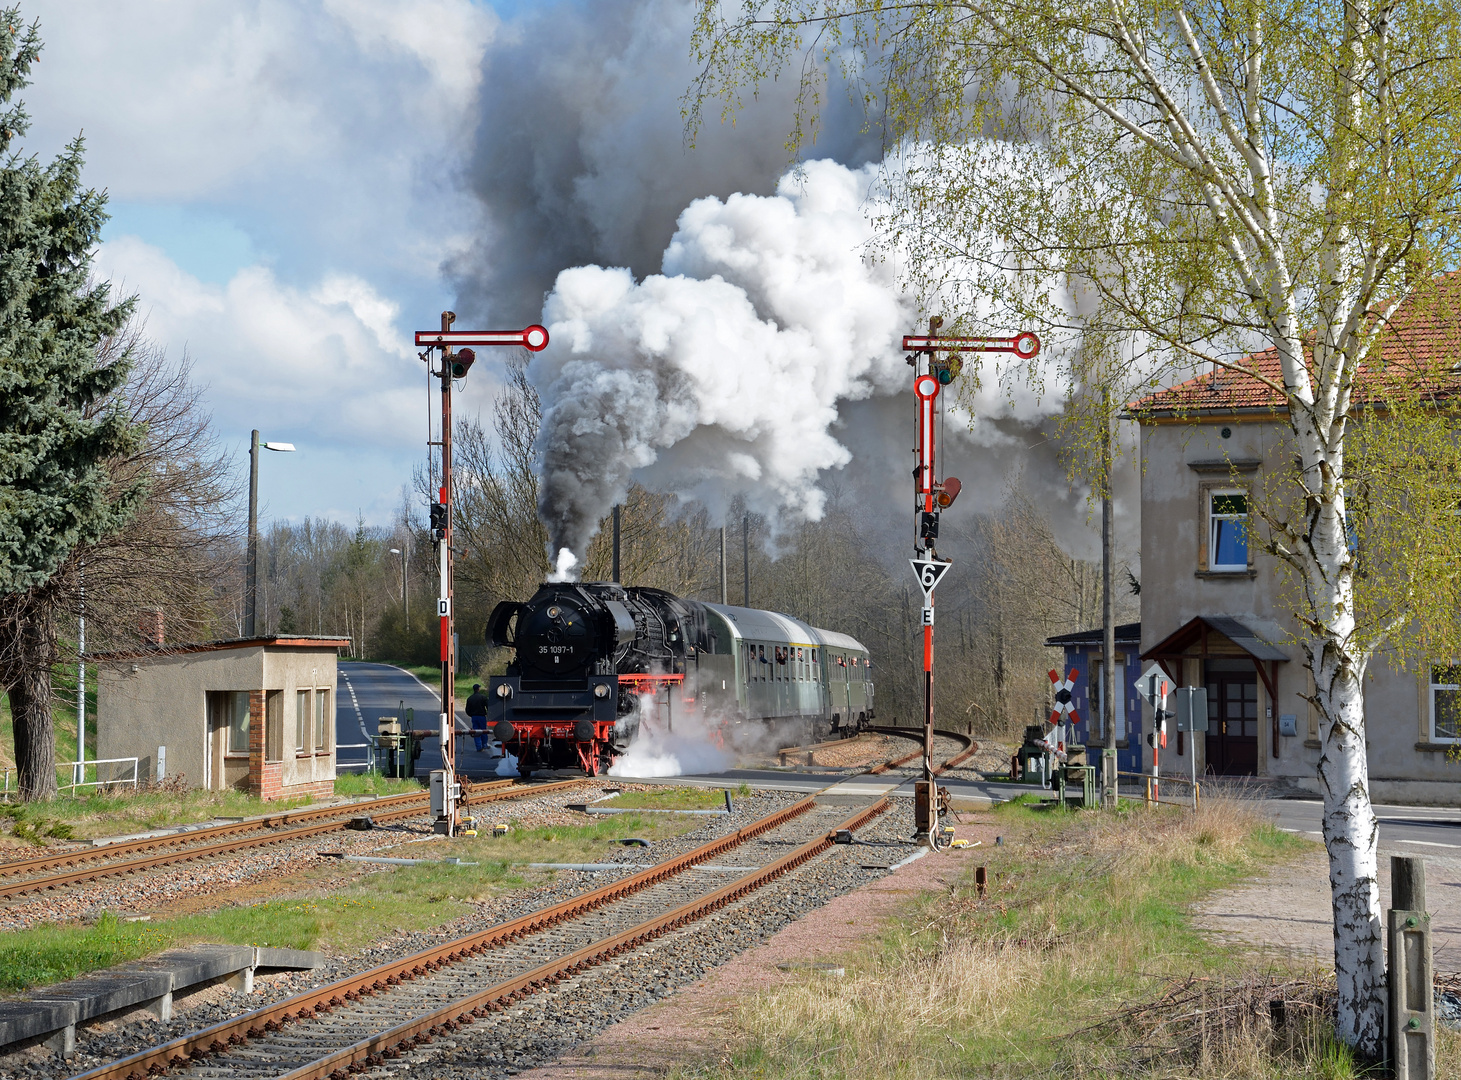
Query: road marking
x=359, y=718
x=1429, y=843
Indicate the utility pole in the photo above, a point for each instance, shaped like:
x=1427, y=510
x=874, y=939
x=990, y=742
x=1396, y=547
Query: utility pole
x=251, y=573
x=932, y=495
x=445, y=788
x=1109, y=680
x=746, y=558
x=616, y=543
x=79, y=773
x=723, y=593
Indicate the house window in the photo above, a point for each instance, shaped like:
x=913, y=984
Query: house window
x=1446, y=703
x=236, y=706
x=1228, y=530
x=322, y=716
x=301, y=721
x=274, y=725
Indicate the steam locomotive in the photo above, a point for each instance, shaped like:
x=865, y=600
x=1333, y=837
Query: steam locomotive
x=594, y=661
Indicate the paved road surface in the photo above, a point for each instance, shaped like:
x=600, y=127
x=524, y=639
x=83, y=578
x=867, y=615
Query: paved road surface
x=370, y=691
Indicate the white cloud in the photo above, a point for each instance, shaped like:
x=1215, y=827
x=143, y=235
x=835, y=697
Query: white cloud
x=325, y=364
x=181, y=100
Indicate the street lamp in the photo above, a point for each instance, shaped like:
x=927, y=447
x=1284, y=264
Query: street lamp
x=251, y=585
x=405, y=600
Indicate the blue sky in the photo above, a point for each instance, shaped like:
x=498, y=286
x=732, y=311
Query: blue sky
x=284, y=182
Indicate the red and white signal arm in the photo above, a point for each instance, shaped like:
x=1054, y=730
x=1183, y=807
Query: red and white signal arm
x=1064, y=708
x=534, y=338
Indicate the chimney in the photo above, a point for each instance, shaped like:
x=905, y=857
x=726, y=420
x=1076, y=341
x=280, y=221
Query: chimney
x=149, y=625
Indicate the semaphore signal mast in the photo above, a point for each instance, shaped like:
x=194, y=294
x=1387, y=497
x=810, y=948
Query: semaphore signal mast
x=932, y=372
x=447, y=364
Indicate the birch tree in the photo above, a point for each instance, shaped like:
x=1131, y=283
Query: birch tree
x=1207, y=178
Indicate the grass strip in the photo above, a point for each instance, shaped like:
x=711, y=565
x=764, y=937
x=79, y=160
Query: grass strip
x=1087, y=916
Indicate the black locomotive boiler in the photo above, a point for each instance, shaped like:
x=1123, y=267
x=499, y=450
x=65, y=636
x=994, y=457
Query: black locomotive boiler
x=593, y=660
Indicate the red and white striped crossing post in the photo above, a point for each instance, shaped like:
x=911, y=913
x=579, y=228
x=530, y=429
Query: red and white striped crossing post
x=455, y=366
x=930, y=374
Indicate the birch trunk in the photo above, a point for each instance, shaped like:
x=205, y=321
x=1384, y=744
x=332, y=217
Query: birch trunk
x=1351, y=832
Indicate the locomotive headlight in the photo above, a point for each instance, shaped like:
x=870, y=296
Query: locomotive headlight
x=504, y=690
x=602, y=690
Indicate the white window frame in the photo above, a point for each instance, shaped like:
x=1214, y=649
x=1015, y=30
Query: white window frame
x=1213, y=494
x=1433, y=686
x=323, y=716
x=303, y=722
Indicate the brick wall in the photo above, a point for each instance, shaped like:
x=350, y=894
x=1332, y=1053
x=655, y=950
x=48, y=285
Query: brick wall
x=266, y=778
x=256, y=743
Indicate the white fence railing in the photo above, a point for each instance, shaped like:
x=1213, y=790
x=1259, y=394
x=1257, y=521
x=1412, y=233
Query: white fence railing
x=78, y=771
x=368, y=764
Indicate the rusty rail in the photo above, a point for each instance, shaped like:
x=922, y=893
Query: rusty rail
x=970, y=748
x=391, y=1042
x=236, y=1031
x=811, y=749
x=391, y=809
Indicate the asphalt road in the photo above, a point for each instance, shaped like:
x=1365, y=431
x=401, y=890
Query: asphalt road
x=370, y=691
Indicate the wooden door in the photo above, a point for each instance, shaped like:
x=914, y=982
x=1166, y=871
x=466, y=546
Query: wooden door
x=1232, y=724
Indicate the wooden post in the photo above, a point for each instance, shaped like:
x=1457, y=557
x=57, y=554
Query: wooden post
x=1411, y=974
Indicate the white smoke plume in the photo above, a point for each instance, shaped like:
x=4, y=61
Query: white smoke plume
x=768, y=312
x=728, y=373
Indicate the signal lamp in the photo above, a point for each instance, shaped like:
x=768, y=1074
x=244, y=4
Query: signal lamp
x=947, y=492
x=438, y=520
x=462, y=361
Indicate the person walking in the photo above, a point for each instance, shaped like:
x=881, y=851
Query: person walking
x=477, y=714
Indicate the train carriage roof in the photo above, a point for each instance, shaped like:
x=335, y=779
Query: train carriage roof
x=774, y=626
x=832, y=639
x=765, y=625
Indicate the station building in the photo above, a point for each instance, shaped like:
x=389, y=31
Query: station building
x=1214, y=613
x=255, y=714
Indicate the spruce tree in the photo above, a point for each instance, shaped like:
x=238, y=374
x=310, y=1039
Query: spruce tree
x=56, y=492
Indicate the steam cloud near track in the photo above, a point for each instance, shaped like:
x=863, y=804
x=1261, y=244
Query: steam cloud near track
x=726, y=369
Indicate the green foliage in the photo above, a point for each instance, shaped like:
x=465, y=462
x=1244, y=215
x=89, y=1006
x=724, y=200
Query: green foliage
x=373, y=783
x=55, y=489
x=417, y=646
x=49, y=954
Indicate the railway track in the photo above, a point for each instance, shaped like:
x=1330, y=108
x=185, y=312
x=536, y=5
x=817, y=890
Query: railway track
x=374, y=1016
x=968, y=749
x=91, y=864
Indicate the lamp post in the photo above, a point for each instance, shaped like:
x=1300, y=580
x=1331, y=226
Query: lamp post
x=251, y=583
x=405, y=600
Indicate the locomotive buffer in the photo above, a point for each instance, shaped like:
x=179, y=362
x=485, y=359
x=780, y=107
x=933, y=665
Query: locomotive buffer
x=931, y=372
x=443, y=362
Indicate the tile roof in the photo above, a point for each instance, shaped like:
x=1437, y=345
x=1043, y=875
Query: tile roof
x=1424, y=335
